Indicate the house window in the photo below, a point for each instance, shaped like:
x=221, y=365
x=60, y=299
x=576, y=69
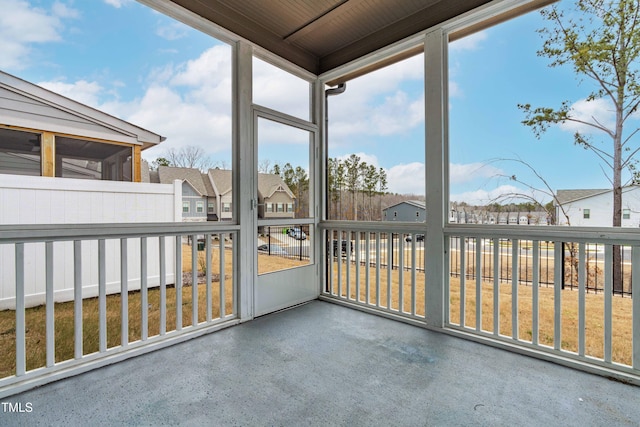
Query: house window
x=626, y=213
x=185, y=207
x=586, y=213
x=226, y=207
x=200, y=207
x=289, y=207
x=269, y=207
x=19, y=152
x=280, y=207
x=210, y=208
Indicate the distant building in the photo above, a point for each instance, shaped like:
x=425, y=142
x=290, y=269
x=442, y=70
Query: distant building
x=594, y=208
x=407, y=211
x=198, y=195
x=208, y=196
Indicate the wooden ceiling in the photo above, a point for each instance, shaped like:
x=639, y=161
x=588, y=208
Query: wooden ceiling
x=320, y=35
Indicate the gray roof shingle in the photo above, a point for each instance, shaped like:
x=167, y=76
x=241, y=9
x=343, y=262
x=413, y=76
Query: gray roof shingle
x=168, y=174
x=566, y=196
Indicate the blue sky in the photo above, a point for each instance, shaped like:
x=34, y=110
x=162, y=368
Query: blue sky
x=123, y=58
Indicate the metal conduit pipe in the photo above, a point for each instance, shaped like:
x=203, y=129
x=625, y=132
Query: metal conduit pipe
x=327, y=93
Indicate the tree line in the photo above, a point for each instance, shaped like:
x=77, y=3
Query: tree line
x=353, y=186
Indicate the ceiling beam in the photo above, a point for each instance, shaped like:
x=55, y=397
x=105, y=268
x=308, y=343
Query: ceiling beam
x=226, y=17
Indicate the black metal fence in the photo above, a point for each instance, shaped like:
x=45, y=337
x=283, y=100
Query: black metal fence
x=293, y=241
x=391, y=244
x=594, y=259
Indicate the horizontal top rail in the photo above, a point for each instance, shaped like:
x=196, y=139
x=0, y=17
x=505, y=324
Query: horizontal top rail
x=397, y=227
x=607, y=235
x=285, y=221
x=60, y=232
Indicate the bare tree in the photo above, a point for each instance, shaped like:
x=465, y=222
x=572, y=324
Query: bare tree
x=189, y=156
x=602, y=44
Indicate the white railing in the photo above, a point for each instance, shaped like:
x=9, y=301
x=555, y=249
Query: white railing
x=376, y=265
x=597, y=329
x=104, y=323
x=528, y=289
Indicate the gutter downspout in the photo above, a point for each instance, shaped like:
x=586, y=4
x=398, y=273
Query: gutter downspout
x=327, y=93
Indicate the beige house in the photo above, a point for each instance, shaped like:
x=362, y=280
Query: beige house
x=275, y=199
x=208, y=197
x=222, y=195
x=198, y=196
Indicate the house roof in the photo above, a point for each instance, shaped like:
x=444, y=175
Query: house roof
x=195, y=178
x=322, y=35
x=416, y=203
x=567, y=196
x=268, y=183
x=24, y=104
x=222, y=180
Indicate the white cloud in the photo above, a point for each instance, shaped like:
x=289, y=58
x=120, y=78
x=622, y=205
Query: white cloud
x=118, y=3
x=410, y=178
x=81, y=91
x=279, y=90
x=407, y=178
x=22, y=26
x=189, y=104
x=172, y=31
x=455, y=91
x=471, y=42
x=598, y=110
x=483, y=197
x=461, y=173
x=502, y=194
x=377, y=104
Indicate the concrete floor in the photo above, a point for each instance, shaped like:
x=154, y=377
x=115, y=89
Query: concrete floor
x=323, y=364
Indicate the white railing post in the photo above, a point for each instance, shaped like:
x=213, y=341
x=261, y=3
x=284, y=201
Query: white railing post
x=558, y=261
x=608, y=303
x=49, y=305
x=635, y=297
x=102, y=295
x=515, y=279
x=21, y=358
x=535, y=288
x=77, y=297
x=436, y=173
x=163, y=284
x=124, y=293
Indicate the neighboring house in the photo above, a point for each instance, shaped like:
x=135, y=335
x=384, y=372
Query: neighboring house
x=221, y=181
x=594, y=208
x=275, y=199
x=407, y=211
x=480, y=216
x=208, y=197
x=198, y=194
x=46, y=134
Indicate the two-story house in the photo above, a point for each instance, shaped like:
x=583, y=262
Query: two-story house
x=198, y=194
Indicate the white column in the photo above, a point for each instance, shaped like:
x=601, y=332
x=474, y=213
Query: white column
x=436, y=174
x=243, y=178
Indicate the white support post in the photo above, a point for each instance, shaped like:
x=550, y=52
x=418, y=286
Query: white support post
x=243, y=177
x=436, y=174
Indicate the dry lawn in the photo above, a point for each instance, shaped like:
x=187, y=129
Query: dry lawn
x=389, y=295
